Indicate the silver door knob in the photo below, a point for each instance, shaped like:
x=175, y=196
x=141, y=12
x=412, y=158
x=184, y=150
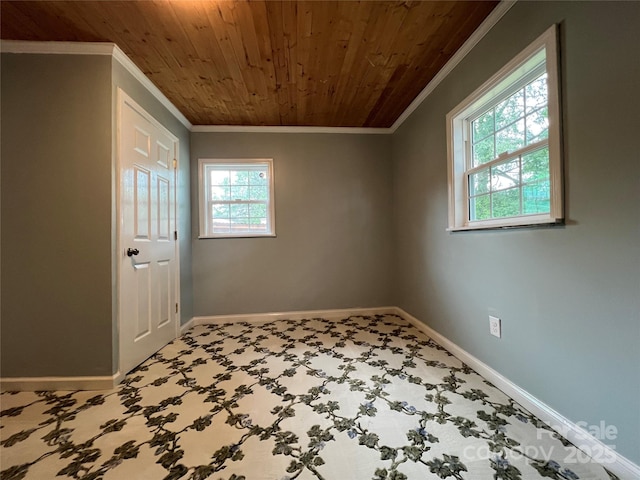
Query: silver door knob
x=132, y=251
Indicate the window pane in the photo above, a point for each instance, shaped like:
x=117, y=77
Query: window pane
x=239, y=177
x=220, y=193
x=536, y=93
x=506, y=203
x=258, y=177
x=537, y=126
x=239, y=210
x=220, y=227
x=479, y=182
x=239, y=224
x=535, y=197
x=220, y=217
x=480, y=208
x=506, y=175
x=239, y=193
x=483, y=126
x=258, y=210
x=510, y=110
x=483, y=151
x=259, y=193
x=510, y=138
x=220, y=211
x=219, y=177
x=535, y=166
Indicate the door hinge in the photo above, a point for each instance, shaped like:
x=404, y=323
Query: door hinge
x=175, y=164
x=175, y=234
x=176, y=308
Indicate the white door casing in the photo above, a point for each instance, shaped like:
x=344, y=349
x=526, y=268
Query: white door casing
x=148, y=266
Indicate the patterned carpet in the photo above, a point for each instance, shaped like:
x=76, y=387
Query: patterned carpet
x=367, y=397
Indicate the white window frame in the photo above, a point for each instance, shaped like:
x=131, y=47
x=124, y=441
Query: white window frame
x=204, y=187
x=498, y=87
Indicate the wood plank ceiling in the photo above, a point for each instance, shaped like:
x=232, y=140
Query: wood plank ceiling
x=314, y=63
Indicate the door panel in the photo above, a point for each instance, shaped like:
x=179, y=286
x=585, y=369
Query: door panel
x=164, y=286
x=142, y=141
x=148, y=267
x=143, y=297
x=164, y=155
x=164, y=209
x=142, y=202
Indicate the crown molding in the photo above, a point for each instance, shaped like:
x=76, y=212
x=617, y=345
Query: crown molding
x=287, y=129
x=60, y=48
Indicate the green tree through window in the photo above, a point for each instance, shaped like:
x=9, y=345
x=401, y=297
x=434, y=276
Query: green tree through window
x=518, y=185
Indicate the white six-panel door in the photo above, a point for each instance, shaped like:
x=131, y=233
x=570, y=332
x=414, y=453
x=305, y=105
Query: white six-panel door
x=148, y=269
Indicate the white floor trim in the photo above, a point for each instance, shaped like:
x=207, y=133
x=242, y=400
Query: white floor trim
x=298, y=315
x=613, y=461
x=187, y=326
x=33, y=384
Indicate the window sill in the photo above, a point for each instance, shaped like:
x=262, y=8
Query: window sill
x=514, y=223
x=239, y=235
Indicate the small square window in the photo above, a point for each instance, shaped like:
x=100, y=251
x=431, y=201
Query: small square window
x=236, y=198
x=504, y=145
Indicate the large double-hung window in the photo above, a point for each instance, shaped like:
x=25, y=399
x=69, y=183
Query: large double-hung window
x=504, y=146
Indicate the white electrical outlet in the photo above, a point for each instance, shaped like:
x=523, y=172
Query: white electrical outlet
x=494, y=326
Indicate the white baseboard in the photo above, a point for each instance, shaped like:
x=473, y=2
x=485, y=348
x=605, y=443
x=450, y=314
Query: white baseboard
x=298, y=315
x=187, y=326
x=619, y=465
x=33, y=384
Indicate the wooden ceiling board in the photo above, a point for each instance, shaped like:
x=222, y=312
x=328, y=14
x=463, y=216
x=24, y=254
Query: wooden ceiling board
x=268, y=62
x=429, y=53
x=383, y=64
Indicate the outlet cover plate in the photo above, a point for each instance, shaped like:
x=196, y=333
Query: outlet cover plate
x=495, y=327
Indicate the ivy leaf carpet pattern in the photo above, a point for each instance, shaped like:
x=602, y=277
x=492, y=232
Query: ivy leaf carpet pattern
x=363, y=397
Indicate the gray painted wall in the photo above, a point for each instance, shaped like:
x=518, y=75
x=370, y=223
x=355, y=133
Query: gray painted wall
x=333, y=220
x=58, y=212
x=569, y=297
x=56, y=215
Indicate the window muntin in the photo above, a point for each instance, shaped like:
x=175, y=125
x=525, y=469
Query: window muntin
x=236, y=198
x=505, y=176
x=513, y=187
x=504, y=147
x=520, y=119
